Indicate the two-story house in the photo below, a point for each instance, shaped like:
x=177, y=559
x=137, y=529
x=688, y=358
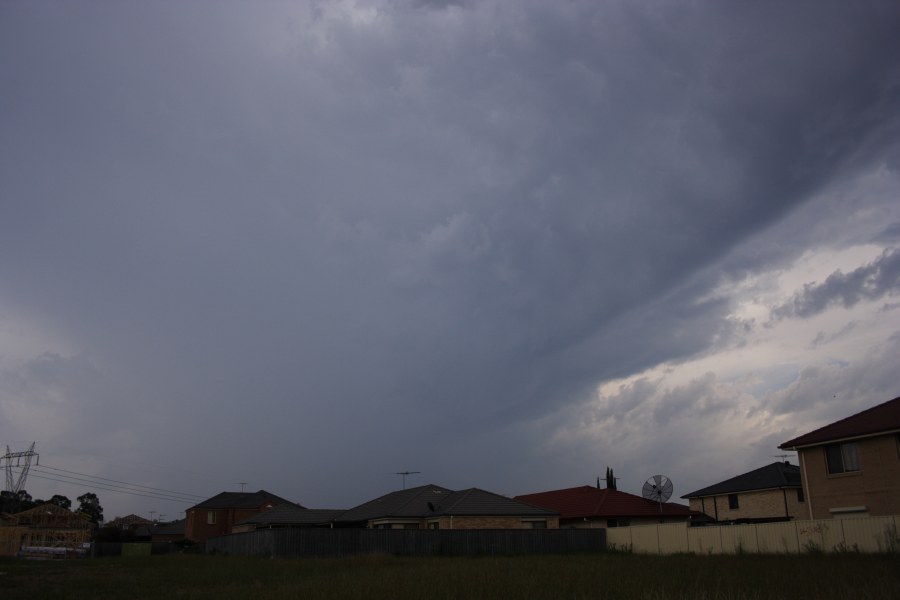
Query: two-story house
x=851, y=468
x=217, y=515
x=770, y=493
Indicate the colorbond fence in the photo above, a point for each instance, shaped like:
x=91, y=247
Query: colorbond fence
x=865, y=534
x=410, y=542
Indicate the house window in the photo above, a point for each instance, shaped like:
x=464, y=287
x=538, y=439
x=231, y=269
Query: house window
x=800, y=495
x=733, y=501
x=434, y=525
x=536, y=524
x=210, y=517
x=410, y=526
x=842, y=458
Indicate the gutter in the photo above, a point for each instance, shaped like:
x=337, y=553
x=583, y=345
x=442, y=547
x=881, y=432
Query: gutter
x=805, y=483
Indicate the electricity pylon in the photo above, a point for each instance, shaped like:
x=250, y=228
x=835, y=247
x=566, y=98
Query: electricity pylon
x=20, y=460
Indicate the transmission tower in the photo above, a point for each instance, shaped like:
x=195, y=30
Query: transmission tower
x=19, y=460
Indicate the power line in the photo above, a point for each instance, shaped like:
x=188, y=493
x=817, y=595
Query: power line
x=93, y=485
x=97, y=486
x=114, y=487
x=137, y=485
x=126, y=488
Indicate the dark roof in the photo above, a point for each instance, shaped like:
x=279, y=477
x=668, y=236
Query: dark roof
x=404, y=503
x=477, y=502
x=884, y=418
x=173, y=528
x=129, y=520
x=589, y=502
x=293, y=514
x=774, y=476
x=433, y=500
x=240, y=500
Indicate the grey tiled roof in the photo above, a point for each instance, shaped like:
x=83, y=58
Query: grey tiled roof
x=404, y=503
x=173, y=528
x=293, y=514
x=772, y=476
x=479, y=502
x=433, y=500
x=240, y=500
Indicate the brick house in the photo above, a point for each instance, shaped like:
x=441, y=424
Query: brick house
x=289, y=514
x=851, y=468
x=590, y=507
x=770, y=493
x=435, y=507
x=217, y=515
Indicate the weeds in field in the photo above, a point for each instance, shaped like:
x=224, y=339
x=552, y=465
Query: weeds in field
x=813, y=547
x=891, y=540
x=617, y=575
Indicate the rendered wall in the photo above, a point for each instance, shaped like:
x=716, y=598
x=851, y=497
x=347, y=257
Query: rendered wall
x=864, y=534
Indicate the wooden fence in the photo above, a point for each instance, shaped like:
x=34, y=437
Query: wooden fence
x=409, y=542
x=864, y=534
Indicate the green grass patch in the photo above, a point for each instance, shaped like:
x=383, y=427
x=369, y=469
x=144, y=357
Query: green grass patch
x=626, y=576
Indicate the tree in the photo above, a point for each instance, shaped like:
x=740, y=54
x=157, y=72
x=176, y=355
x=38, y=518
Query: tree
x=89, y=504
x=610, y=479
x=60, y=501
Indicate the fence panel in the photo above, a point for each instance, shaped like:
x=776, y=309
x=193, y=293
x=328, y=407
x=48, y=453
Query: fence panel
x=862, y=534
x=872, y=534
x=777, y=538
x=673, y=538
x=705, y=540
x=738, y=539
x=619, y=538
x=343, y=542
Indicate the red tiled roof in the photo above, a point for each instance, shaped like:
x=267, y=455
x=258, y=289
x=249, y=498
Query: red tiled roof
x=878, y=419
x=590, y=502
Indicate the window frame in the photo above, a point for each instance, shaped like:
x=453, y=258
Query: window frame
x=733, y=502
x=842, y=458
x=211, y=517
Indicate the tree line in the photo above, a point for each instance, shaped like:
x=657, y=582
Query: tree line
x=88, y=504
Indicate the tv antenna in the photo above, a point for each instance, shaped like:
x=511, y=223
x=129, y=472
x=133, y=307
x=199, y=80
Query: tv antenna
x=242, y=484
x=659, y=489
x=20, y=460
x=404, y=474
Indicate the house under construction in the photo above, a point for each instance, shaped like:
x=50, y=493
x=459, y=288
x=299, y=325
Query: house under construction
x=46, y=530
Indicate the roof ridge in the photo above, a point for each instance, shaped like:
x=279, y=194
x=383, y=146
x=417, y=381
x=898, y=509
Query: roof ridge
x=421, y=489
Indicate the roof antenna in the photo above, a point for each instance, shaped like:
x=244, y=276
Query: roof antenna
x=404, y=474
x=242, y=484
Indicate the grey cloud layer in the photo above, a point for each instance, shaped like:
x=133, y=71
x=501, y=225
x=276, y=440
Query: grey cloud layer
x=420, y=224
x=870, y=282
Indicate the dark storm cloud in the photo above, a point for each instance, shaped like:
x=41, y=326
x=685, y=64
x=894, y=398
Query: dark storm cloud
x=873, y=281
x=289, y=227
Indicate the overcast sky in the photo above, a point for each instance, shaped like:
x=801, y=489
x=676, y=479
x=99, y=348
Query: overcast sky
x=307, y=245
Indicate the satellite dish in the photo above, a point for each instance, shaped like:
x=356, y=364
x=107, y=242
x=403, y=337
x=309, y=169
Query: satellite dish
x=658, y=488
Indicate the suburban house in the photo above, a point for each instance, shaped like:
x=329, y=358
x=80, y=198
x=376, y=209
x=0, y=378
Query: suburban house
x=591, y=507
x=168, y=532
x=851, y=468
x=435, y=507
x=132, y=524
x=45, y=530
x=770, y=493
x=289, y=514
x=217, y=515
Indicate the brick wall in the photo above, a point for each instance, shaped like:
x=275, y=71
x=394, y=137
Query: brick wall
x=876, y=486
x=495, y=522
x=763, y=504
x=487, y=522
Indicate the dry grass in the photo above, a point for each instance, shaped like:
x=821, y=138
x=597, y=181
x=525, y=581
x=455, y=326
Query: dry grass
x=373, y=577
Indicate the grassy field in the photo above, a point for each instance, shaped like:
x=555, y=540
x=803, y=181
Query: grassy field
x=374, y=577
